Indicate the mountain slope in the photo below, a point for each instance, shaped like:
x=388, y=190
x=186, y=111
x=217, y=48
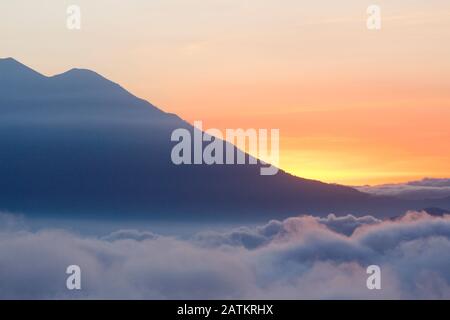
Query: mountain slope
x=79, y=144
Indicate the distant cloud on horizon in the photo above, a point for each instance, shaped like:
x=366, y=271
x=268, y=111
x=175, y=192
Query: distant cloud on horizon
x=426, y=188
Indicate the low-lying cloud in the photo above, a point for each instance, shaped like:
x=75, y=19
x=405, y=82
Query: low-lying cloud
x=415, y=190
x=130, y=234
x=275, y=230
x=300, y=257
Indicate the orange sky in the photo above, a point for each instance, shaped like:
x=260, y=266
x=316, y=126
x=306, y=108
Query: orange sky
x=353, y=106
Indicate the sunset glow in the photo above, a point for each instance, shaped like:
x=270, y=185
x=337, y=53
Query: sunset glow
x=353, y=106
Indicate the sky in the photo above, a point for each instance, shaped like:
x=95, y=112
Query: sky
x=354, y=106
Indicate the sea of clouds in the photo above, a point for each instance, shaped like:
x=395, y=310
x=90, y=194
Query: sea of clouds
x=300, y=257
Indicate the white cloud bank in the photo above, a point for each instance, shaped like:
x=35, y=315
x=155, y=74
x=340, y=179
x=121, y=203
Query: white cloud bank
x=424, y=189
x=301, y=257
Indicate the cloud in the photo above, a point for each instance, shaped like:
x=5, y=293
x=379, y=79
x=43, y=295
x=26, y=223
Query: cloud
x=9, y=221
x=419, y=190
x=252, y=238
x=300, y=257
x=130, y=234
x=347, y=224
x=428, y=182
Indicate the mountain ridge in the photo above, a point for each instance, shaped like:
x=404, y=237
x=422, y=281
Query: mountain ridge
x=77, y=147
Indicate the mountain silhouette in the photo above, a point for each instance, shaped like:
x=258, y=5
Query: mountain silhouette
x=77, y=144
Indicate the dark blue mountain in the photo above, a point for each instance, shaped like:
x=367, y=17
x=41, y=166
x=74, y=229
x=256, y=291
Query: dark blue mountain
x=79, y=144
